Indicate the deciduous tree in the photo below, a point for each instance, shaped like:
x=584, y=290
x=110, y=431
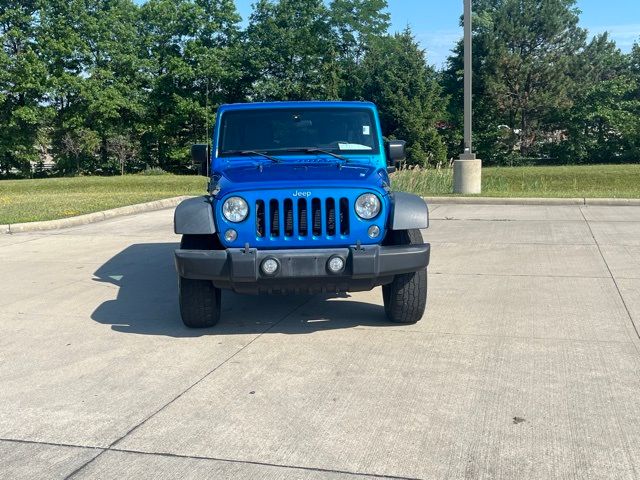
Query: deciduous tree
x=292, y=51
x=23, y=84
x=188, y=49
x=356, y=24
x=602, y=122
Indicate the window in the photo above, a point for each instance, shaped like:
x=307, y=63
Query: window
x=339, y=130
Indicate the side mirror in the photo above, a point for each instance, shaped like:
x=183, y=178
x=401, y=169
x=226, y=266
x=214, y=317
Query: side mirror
x=200, y=157
x=395, y=150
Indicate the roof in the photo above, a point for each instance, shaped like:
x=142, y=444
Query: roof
x=297, y=104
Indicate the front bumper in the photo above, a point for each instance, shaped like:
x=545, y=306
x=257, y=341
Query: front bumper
x=300, y=269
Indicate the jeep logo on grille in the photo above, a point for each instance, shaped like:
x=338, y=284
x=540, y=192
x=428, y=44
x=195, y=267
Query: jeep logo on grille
x=299, y=193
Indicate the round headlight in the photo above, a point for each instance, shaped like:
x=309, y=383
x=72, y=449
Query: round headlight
x=235, y=209
x=367, y=206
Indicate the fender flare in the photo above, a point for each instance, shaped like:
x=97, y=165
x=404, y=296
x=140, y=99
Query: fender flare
x=408, y=211
x=194, y=216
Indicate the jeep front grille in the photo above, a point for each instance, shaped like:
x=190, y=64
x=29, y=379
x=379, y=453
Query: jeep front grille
x=326, y=217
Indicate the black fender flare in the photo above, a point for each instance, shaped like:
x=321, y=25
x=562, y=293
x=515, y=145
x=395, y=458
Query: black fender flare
x=194, y=216
x=408, y=211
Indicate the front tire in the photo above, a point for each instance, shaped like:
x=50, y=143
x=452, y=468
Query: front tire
x=405, y=298
x=199, y=299
x=199, y=303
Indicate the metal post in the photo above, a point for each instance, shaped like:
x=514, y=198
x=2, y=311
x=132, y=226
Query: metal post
x=468, y=132
x=467, y=170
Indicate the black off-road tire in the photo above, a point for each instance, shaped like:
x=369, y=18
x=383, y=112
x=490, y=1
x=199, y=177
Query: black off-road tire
x=199, y=303
x=405, y=298
x=199, y=299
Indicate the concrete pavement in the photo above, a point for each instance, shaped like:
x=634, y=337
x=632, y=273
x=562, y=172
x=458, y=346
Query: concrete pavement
x=524, y=366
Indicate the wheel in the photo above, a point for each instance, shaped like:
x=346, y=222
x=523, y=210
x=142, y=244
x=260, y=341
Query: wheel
x=199, y=299
x=199, y=303
x=405, y=298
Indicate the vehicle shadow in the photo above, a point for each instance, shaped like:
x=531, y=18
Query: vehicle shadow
x=147, y=302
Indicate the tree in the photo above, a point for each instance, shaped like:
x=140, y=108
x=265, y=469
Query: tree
x=188, y=53
x=93, y=53
x=291, y=51
x=411, y=103
x=111, y=98
x=634, y=58
x=78, y=146
x=524, y=63
x=101, y=83
x=356, y=24
x=63, y=52
x=634, y=61
x=124, y=150
x=603, y=118
x=23, y=83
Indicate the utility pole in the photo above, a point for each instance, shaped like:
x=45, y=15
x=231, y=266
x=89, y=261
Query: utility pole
x=468, y=80
x=467, y=170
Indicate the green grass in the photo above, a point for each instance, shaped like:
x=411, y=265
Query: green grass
x=51, y=198
x=592, y=181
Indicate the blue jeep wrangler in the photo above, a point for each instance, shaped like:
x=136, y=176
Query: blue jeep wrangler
x=299, y=201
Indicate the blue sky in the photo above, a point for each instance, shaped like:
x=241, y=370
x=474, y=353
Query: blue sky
x=435, y=22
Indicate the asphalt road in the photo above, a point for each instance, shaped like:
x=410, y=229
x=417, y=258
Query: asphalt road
x=526, y=364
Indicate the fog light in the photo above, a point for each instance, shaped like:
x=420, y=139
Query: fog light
x=335, y=264
x=374, y=231
x=269, y=266
x=230, y=235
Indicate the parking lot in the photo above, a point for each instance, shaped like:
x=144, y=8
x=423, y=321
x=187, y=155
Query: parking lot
x=526, y=364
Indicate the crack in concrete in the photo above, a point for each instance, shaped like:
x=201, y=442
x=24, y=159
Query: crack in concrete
x=199, y=457
x=613, y=278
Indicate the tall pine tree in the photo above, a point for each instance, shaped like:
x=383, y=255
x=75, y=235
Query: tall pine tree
x=398, y=79
x=524, y=64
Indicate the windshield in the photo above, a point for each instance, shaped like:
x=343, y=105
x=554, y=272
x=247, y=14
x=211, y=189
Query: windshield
x=337, y=130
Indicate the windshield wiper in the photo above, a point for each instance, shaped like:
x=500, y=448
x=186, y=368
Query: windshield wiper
x=319, y=150
x=253, y=152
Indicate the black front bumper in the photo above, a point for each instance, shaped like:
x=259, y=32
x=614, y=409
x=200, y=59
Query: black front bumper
x=302, y=269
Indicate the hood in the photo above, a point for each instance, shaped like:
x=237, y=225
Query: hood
x=295, y=173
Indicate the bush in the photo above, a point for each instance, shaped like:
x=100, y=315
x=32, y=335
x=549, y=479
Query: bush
x=153, y=171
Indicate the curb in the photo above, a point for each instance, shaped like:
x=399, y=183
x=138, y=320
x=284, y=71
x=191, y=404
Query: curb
x=91, y=217
x=532, y=201
x=632, y=202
